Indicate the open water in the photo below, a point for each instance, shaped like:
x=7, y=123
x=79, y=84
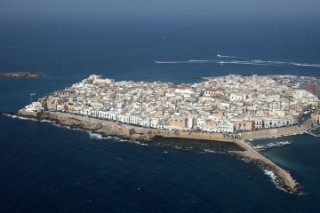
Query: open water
x=46, y=168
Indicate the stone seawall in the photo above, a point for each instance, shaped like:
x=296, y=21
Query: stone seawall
x=277, y=131
x=106, y=127
x=109, y=128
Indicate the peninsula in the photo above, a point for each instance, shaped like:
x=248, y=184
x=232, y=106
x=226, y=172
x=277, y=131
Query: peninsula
x=229, y=108
x=20, y=75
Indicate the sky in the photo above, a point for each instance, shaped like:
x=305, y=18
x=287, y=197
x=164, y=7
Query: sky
x=180, y=9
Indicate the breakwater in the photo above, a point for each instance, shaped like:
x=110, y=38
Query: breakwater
x=283, y=177
x=109, y=128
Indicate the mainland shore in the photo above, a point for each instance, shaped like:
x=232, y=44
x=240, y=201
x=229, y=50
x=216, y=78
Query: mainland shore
x=110, y=128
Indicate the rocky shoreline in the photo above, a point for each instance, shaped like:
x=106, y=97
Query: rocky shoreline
x=108, y=128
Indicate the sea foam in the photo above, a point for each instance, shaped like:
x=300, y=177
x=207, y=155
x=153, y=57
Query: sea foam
x=19, y=117
x=274, y=179
x=212, y=151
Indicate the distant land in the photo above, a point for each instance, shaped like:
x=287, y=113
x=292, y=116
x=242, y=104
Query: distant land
x=20, y=75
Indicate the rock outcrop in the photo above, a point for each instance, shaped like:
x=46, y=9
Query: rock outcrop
x=20, y=75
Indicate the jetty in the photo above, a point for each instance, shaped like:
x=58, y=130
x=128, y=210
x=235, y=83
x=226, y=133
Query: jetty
x=283, y=177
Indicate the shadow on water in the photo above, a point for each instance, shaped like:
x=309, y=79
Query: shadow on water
x=196, y=145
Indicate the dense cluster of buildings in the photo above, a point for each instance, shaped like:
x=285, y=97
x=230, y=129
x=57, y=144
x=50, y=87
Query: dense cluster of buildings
x=225, y=104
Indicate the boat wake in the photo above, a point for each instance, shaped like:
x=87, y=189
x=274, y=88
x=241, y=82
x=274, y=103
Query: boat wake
x=229, y=60
x=225, y=56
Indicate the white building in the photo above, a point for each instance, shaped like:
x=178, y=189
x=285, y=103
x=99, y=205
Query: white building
x=34, y=107
x=277, y=121
x=154, y=122
x=200, y=122
x=237, y=97
x=226, y=127
x=124, y=118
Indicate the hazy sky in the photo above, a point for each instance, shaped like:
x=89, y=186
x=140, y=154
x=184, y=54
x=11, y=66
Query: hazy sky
x=160, y=8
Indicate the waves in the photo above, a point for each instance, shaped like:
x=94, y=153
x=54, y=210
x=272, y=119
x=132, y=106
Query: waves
x=232, y=60
x=274, y=179
x=95, y=136
x=267, y=172
x=213, y=151
x=271, y=175
x=126, y=140
x=19, y=117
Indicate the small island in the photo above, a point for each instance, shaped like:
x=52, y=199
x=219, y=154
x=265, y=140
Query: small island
x=230, y=109
x=20, y=75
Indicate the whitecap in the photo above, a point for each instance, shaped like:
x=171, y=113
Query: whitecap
x=137, y=142
x=95, y=136
x=274, y=179
x=47, y=121
x=212, y=151
x=209, y=151
x=127, y=140
x=271, y=175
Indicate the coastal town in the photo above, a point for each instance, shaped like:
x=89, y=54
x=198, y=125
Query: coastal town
x=233, y=109
x=227, y=104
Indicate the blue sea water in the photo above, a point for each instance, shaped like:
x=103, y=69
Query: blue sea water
x=46, y=168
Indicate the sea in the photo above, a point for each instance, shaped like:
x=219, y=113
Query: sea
x=50, y=168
